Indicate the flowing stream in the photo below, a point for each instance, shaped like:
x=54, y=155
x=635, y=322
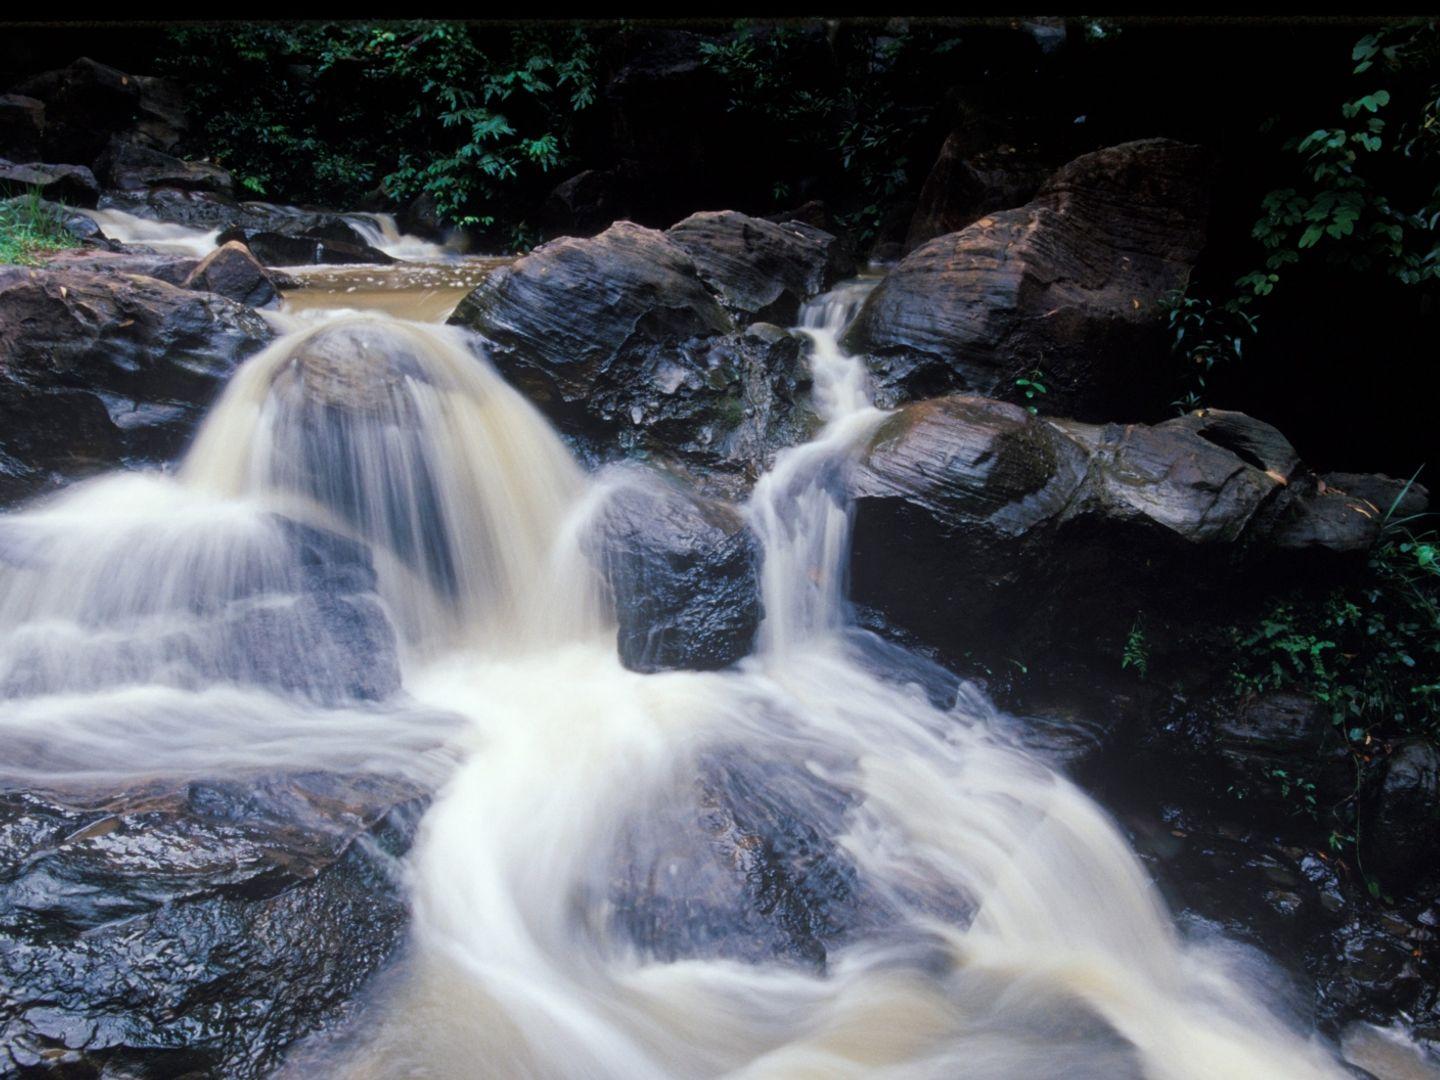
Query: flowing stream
x=577, y=909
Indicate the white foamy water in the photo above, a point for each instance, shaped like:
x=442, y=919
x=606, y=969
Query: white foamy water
x=382, y=232
x=802, y=867
x=161, y=235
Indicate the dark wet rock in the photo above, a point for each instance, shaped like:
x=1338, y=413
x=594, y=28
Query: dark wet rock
x=973, y=176
x=562, y=317
x=232, y=271
x=972, y=513
x=421, y=217
x=621, y=345
x=683, y=572
x=760, y=270
x=744, y=865
x=1381, y=494
x=71, y=184
x=719, y=408
x=1067, y=284
x=196, y=209
x=129, y=166
x=85, y=104
x=331, y=244
x=1404, y=827
x=587, y=203
x=22, y=127
x=1280, y=747
x=171, y=269
x=193, y=930
x=101, y=367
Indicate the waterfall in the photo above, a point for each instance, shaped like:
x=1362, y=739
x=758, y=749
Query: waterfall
x=382, y=232
x=589, y=886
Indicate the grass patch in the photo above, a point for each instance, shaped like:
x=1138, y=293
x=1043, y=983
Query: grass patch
x=30, y=229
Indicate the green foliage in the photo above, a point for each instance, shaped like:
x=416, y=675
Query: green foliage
x=1366, y=195
x=1369, y=652
x=1033, y=387
x=1204, y=334
x=856, y=125
x=31, y=228
x=327, y=112
x=1137, y=648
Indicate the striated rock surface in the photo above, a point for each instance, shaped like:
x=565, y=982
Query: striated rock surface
x=1066, y=285
x=97, y=368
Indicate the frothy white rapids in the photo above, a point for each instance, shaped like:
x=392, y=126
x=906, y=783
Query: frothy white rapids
x=1014, y=934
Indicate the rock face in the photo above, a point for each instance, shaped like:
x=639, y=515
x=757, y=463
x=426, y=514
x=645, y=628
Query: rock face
x=171, y=269
x=99, y=368
x=971, y=514
x=129, y=166
x=1066, y=285
x=621, y=344
x=761, y=269
x=22, y=127
x=967, y=182
x=683, y=574
x=232, y=271
x=1405, y=830
x=197, y=930
x=85, y=104
x=560, y=318
x=71, y=184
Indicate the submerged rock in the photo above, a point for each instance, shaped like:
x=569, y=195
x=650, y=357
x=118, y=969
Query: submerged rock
x=99, y=368
x=334, y=244
x=193, y=930
x=683, y=573
x=1067, y=285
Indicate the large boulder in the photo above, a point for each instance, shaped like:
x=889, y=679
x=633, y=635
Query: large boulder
x=761, y=269
x=562, y=317
x=683, y=573
x=131, y=166
x=70, y=184
x=22, y=127
x=232, y=271
x=969, y=181
x=193, y=929
x=85, y=104
x=97, y=368
x=621, y=344
x=976, y=520
x=1067, y=286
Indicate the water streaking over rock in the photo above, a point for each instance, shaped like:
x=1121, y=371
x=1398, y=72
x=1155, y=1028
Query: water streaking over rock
x=161, y=235
x=382, y=232
x=396, y=433
x=818, y=864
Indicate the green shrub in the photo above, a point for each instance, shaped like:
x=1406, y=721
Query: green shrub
x=31, y=228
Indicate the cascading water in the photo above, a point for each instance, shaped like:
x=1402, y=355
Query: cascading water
x=381, y=231
x=163, y=236
x=585, y=884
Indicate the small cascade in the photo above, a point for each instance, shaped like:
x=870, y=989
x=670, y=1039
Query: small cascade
x=396, y=433
x=163, y=236
x=381, y=231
